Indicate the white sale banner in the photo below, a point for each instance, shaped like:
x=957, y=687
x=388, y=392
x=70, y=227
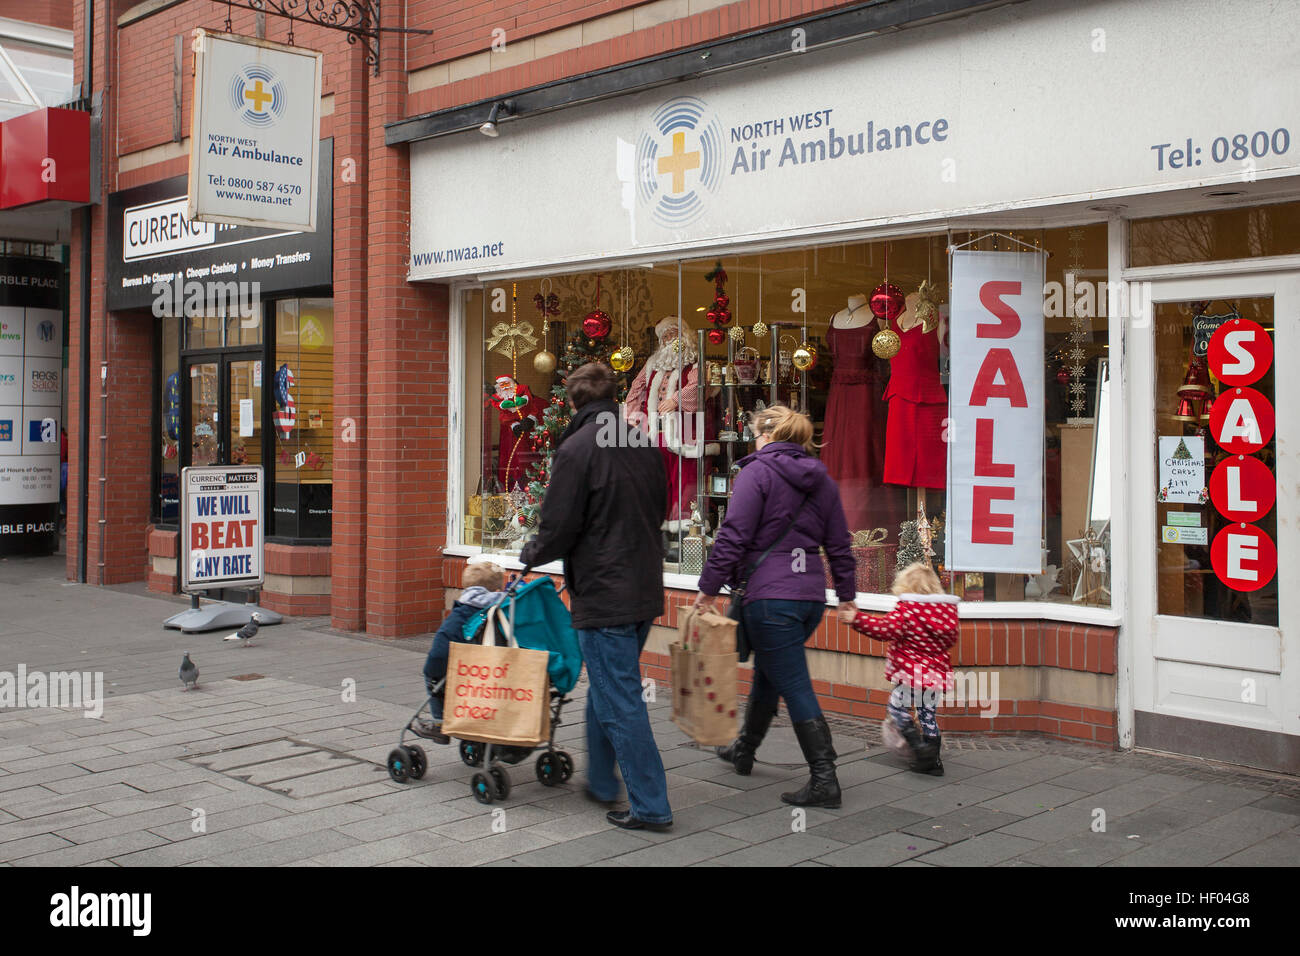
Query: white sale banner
x=995, y=431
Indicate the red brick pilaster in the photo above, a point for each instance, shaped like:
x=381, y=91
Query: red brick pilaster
x=351, y=178
x=406, y=433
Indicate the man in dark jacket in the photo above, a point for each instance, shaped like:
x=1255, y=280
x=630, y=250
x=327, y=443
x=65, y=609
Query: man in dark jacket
x=602, y=513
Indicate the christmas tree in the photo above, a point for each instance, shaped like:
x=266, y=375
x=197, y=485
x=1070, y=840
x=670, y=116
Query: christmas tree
x=910, y=549
x=578, y=351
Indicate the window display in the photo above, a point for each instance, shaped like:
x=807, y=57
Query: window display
x=1216, y=457
x=302, y=417
x=167, y=473
x=854, y=335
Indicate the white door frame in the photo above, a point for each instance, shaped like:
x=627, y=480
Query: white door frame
x=1188, y=667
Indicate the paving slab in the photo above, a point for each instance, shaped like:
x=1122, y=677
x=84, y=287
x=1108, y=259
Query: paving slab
x=124, y=789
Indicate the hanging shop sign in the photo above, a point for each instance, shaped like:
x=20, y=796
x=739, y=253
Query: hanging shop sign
x=31, y=401
x=1244, y=557
x=256, y=125
x=996, y=397
x=1240, y=352
x=1242, y=487
x=1242, y=420
x=161, y=259
x=856, y=136
x=221, y=527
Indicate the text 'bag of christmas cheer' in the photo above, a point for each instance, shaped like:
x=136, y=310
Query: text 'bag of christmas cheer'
x=703, y=674
x=497, y=693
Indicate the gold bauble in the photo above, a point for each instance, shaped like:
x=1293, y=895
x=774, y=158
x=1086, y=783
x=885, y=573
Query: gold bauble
x=737, y=333
x=760, y=328
x=804, y=357
x=544, y=362
x=622, y=359
x=886, y=343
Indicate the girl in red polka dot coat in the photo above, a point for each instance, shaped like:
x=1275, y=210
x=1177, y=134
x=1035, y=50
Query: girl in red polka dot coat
x=919, y=632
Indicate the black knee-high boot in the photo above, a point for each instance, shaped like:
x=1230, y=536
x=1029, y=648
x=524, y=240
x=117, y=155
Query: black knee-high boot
x=758, y=717
x=823, y=787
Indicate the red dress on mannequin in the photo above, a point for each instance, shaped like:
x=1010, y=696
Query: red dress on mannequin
x=915, y=453
x=853, y=440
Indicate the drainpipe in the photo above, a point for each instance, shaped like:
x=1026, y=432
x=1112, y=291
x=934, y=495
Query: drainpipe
x=83, y=435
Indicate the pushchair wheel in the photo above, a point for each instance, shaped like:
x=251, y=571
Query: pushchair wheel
x=550, y=769
x=418, y=762
x=471, y=753
x=481, y=787
x=399, y=765
x=501, y=781
x=567, y=770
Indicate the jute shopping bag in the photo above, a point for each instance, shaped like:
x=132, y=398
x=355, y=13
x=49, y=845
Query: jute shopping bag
x=497, y=692
x=711, y=701
x=709, y=633
x=680, y=675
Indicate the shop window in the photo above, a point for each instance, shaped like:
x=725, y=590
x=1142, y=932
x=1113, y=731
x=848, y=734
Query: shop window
x=167, y=493
x=302, y=417
x=1209, y=565
x=800, y=332
x=1244, y=233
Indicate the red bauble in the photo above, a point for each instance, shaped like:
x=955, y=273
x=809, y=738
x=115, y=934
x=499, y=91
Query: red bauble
x=716, y=336
x=1063, y=377
x=596, y=324
x=721, y=300
x=887, y=301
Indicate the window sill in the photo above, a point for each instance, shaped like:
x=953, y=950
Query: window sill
x=969, y=610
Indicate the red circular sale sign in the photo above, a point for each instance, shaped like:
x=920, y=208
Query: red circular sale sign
x=1244, y=558
x=1241, y=420
x=1240, y=352
x=1242, y=488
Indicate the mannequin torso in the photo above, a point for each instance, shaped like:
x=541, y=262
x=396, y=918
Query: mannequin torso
x=855, y=316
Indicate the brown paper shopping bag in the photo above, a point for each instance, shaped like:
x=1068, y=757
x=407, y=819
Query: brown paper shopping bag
x=704, y=694
x=704, y=632
x=497, y=693
x=713, y=698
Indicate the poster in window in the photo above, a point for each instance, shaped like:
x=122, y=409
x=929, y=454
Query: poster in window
x=1182, y=470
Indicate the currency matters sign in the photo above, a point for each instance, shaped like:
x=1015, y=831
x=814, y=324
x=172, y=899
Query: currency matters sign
x=254, y=145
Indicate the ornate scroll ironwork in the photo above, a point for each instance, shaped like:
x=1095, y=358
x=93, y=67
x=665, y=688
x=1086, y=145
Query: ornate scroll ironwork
x=359, y=19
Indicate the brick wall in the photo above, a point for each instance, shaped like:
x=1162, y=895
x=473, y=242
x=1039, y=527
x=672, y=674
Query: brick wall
x=49, y=13
x=406, y=392
x=471, y=33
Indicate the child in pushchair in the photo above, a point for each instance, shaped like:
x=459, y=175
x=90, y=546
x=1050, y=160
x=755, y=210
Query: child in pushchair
x=484, y=585
x=535, y=618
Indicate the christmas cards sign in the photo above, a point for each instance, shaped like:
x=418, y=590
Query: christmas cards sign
x=1182, y=470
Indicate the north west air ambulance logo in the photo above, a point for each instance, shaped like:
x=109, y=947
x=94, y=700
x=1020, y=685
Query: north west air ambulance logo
x=679, y=161
x=258, y=95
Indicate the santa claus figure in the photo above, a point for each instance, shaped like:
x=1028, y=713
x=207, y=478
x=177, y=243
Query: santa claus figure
x=520, y=412
x=664, y=401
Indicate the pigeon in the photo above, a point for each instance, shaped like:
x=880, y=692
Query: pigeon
x=189, y=673
x=247, y=632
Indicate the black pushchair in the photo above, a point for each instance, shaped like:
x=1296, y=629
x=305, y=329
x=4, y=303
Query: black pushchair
x=538, y=620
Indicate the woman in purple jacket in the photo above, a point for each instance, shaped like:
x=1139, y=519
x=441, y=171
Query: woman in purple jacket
x=785, y=595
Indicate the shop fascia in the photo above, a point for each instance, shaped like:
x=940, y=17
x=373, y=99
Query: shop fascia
x=752, y=157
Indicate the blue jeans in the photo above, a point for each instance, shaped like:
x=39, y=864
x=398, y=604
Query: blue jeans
x=777, y=630
x=435, y=669
x=618, y=724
